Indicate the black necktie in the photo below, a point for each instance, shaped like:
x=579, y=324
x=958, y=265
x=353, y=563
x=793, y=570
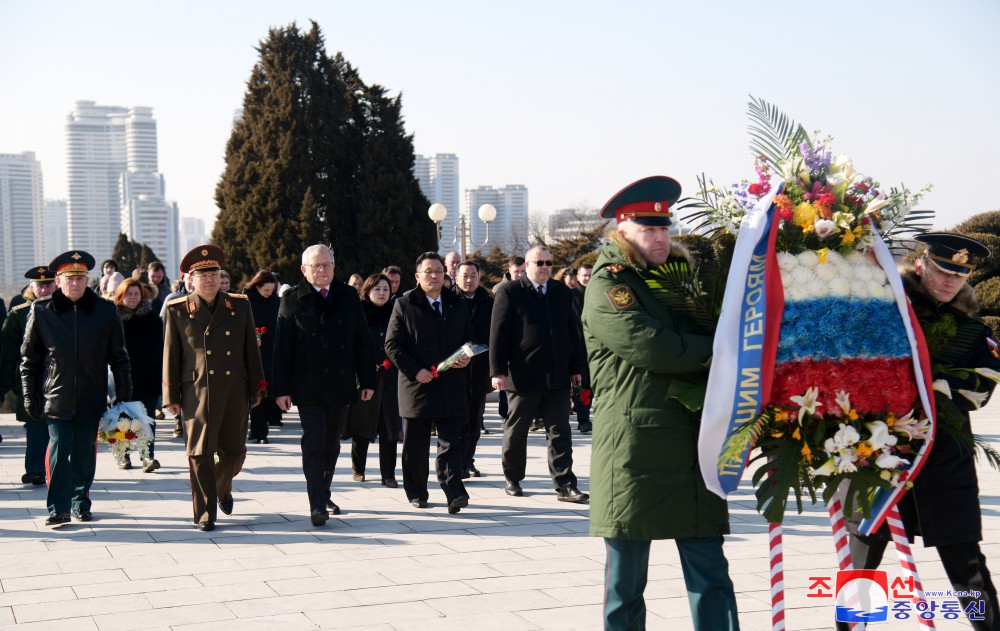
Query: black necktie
x=541, y=291
x=437, y=307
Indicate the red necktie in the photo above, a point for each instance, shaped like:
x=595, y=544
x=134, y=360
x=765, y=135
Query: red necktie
x=323, y=292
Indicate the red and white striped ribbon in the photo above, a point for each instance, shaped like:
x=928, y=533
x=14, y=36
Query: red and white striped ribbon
x=906, y=559
x=777, y=578
x=842, y=543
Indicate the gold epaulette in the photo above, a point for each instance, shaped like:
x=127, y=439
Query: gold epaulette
x=240, y=296
x=23, y=305
x=177, y=301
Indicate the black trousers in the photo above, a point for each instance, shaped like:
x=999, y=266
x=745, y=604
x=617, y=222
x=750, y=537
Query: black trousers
x=386, y=451
x=447, y=464
x=964, y=564
x=321, y=430
x=262, y=416
x=553, y=407
x=473, y=428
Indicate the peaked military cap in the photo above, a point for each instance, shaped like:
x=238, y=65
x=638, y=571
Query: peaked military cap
x=40, y=275
x=646, y=201
x=73, y=263
x=953, y=253
x=204, y=258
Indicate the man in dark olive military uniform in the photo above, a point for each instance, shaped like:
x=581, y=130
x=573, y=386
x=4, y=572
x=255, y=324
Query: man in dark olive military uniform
x=40, y=288
x=645, y=482
x=212, y=370
x=943, y=506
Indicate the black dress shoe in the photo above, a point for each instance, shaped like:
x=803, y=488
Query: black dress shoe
x=585, y=428
x=418, y=503
x=476, y=473
x=38, y=480
x=83, y=515
x=319, y=517
x=205, y=526
x=332, y=508
x=513, y=489
x=263, y=441
x=57, y=519
x=226, y=504
x=536, y=425
x=457, y=504
x=390, y=483
x=27, y=478
x=571, y=494
x=466, y=474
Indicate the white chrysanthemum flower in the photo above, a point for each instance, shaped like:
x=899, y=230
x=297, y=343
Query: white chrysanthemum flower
x=787, y=261
x=840, y=287
x=888, y=293
x=855, y=258
x=803, y=276
x=875, y=289
x=808, y=259
x=826, y=273
x=796, y=293
x=834, y=259
x=137, y=426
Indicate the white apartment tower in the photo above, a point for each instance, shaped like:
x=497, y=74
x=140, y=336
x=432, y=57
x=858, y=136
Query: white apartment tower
x=96, y=156
x=21, y=216
x=438, y=179
x=55, y=240
x=114, y=182
x=510, y=230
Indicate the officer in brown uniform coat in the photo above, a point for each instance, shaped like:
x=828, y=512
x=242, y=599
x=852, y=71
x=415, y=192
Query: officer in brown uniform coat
x=211, y=370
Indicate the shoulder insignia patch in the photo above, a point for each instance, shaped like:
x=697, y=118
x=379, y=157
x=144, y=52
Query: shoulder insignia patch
x=994, y=349
x=614, y=268
x=23, y=305
x=621, y=297
x=177, y=301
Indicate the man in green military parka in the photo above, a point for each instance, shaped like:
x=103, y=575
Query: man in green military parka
x=645, y=481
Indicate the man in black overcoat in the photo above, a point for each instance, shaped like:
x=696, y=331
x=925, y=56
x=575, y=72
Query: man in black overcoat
x=536, y=354
x=480, y=303
x=428, y=325
x=322, y=357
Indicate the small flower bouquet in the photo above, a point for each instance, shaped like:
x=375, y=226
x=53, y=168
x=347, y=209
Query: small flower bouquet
x=831, y=388
x=126, y=427
x=466, y=351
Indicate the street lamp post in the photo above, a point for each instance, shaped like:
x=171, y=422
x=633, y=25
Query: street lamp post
x=437, y=212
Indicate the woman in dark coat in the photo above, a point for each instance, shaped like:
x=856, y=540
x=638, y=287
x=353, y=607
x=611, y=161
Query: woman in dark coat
x=264, y=304
x=366, y=419
x=144, y=343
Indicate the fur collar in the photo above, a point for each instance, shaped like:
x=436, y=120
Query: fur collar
x=145, y=308
x=61, y=303
x=965, y=302
x=635, y=259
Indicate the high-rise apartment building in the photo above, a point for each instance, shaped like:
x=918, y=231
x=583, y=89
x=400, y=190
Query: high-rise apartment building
x=510, y=230
x=55, y=241
x=438, y=179
x=114, y=182
x=21, y=216
x=192, y=234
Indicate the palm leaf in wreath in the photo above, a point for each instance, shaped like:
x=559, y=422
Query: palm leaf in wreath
x=772, y=133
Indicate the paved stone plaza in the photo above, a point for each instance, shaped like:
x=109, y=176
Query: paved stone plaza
x=503, y=563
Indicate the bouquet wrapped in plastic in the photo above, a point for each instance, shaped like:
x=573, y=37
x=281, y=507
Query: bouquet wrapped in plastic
x=126, y=427
x=466, y=351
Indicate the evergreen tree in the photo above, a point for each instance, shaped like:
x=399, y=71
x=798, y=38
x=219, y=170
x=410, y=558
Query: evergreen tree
x=493, y=265
x=276, y=190
x=130, y=255
x=572, y=249
x=317, y=158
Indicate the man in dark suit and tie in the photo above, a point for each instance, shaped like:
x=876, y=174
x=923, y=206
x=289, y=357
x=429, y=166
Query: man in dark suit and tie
x=536, y=354
x=323, y=357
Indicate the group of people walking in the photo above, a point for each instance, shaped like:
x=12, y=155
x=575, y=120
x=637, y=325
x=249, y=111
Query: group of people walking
x=357, y=359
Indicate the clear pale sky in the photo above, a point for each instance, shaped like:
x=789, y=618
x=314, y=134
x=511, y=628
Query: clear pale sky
x=574, y=99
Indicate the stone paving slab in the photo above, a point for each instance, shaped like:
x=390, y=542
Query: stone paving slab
x=502, y=563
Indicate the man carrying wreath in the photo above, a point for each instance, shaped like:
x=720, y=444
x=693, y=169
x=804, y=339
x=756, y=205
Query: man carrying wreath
x=211, y=370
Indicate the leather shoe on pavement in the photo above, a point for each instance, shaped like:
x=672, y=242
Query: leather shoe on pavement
x=205, y=526
x=390, y=483
x=585, y=428
x=83, y=515
x=319, y=517
x=571, y=494
x=332, y=508
x=418, y=503
x=226, y=504
x=150, y=465
x=513, y=489
x=476, y=473
x=57, y=519
x=38, y=480
x=457, y=504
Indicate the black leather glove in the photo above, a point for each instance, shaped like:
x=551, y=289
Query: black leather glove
x=32, y=408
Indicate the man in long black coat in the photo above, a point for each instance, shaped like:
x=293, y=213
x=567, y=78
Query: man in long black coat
x=536, y=353
x=480, y=303
x=428, y=325
x=322, y=353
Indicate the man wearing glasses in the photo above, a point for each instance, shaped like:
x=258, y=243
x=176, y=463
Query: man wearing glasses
x=211, y=370
x=536, y=354
x=323, y=362
x=427, y=325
